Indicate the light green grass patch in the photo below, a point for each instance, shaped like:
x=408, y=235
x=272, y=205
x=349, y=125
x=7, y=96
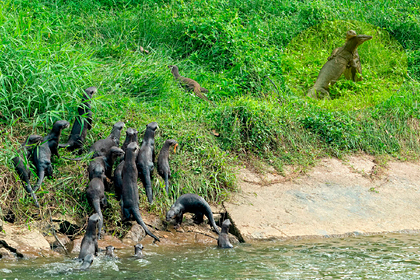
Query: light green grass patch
x=384, y=64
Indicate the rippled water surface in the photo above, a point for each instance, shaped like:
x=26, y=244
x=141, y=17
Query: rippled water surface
x=377, y=257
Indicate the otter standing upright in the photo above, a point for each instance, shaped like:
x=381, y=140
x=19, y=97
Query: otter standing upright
x=191, y=203
x=131, y=136
x=129, y=191
x=163, y=162
x=89, y=246
x=96, y=197
x=223, y=240
x=82, y=124
x=146, y=158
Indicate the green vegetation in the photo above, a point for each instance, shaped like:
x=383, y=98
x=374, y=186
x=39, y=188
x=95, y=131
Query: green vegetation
x=52, y=50
x=384, y=64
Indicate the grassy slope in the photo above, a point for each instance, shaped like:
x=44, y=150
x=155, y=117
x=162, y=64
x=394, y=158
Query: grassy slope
x=50, y=51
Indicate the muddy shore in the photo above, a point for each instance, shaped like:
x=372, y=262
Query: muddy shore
x=335, y=198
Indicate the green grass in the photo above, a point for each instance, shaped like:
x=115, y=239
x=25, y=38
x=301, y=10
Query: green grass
x=52, y=50
x=384, y=64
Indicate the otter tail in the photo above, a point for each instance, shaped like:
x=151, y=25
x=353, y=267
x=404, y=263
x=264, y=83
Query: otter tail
x=147, y=185
x=63, y=145
x=211, y=219
x=89, y=155
x=166, y=182
x=29, y=190
x=76, y=159
x=139, y=220
x=97, y=207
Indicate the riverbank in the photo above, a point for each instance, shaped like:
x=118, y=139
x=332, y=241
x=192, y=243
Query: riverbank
x=336, y=198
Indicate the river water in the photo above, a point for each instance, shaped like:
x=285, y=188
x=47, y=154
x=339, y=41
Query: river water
x=390, y=256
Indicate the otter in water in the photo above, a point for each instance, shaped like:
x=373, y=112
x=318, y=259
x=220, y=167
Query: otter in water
x=223, y=240
x=89, y=246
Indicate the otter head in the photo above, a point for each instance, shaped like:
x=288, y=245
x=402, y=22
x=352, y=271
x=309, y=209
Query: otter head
x=226, y=223
x=90, y=91
x=152, y=126
x=116, y=152
x=130, y=133
x=110, y=250
x=170, y=214
x=60, y=125
x=137, y=248
x=33, y=140
x=95, y=218
x=118, y=126
x=99, y=170
x=132, y=150
x=172, y=142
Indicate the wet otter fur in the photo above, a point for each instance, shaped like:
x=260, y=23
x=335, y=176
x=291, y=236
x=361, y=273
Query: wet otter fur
x=191, y=203
x=89, y=244
x=103, y=146
x=96, y=196
x=82, y=124
x=42, y=154
x=223, y=240
x=22, y=162
x=163, y=162
x=129, y=191
x=146, y=159
x=138, y=251
x=110, y=251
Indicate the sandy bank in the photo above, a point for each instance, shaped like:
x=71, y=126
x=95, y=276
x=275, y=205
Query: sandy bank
x=334, y=198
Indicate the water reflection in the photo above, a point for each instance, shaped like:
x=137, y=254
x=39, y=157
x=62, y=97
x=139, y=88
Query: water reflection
x=379, y=257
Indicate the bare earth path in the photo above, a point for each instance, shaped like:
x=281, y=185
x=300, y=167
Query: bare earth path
x=334, y=198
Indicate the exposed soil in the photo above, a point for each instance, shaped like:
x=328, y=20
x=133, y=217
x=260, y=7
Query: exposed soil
x=354, y=196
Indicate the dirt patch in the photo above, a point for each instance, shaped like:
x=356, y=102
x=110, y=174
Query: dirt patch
x=337, y=197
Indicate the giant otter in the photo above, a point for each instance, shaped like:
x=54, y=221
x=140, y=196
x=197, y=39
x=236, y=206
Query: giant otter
x=223, y=240
x=42, y=154
x=146, y=158
x=97, y=167
x=113, y=154
x=21, y=163
x=110, y=251
x=103, y=146
x=131, y=135
x=191, y=203
x=82, y=124
x=163, y=162
x=89, y=244
x=96, y=197
x=53, y=138
x=138, y=251
x=129, y=191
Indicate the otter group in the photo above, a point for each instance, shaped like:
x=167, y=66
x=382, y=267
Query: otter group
x=132, y=161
